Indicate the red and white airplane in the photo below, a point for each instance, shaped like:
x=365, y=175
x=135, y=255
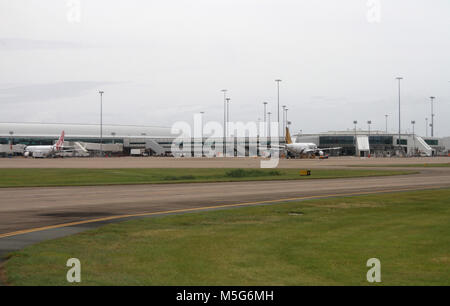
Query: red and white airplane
x=45, y=151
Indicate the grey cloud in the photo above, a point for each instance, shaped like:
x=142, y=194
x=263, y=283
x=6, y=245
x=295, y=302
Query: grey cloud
x=32, y=44
x=177, y=55
x=49, y=91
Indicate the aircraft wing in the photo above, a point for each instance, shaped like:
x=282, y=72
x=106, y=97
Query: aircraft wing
x=319, y=149
x=275, y=147
x=328, y=149
x=310, y=151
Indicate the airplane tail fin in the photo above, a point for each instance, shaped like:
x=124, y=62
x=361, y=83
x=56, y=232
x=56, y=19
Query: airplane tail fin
x=288, y=136
x=60, y=142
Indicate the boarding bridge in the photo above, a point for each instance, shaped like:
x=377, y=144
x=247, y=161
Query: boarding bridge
x=80, y=149
x=422, y=146
x=362, y=145
x=6, y=149
x=154, y=146
x=105, y=147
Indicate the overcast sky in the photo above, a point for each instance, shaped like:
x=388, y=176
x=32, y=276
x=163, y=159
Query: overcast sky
x=162, y=61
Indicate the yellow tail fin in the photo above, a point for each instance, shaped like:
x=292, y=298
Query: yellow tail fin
x=288, y=136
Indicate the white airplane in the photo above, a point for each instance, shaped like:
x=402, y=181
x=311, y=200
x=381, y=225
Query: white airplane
x=45, y=151
x=298, y=148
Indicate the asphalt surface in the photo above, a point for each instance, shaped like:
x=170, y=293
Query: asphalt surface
x=31, y=215
x=167, y=162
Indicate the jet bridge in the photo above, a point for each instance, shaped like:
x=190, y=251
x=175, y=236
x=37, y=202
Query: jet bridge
x=154, y=146
x=422, y=146
x=80, y=149
x=362, y=145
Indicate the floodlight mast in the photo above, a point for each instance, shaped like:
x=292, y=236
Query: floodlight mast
x=101, y=92
x=399, y=111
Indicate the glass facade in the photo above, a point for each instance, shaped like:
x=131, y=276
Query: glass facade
x=432, y=142
x=378, y=143
x=381, y=140
x=336, y=140
x=50, y=141
x=4, y=140
x=95, y=140
x=31, y=141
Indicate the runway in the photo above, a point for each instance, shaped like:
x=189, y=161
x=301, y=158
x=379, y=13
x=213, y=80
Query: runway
x=169, y=162
x=30, y=215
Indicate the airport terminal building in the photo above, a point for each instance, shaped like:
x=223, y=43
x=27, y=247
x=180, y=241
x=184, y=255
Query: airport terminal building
x=116, y=139
x=119, y=140
x=151, y=140
x=376, y=143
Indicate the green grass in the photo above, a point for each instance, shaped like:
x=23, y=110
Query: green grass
x=82, y=177
x=317, y=242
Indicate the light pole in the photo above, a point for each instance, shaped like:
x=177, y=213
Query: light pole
x=426, y=127
x=399, y=111
x=113, y=134
x=11, y=140
x=201, y=131
x=101, y=122
x=278, y=105
x=287, y=122
x=265, y=119
x=413, y=122
x=369, y=123
x=257, y=130
x=354, y=140
x=224, y=117
x=228, y=114
x=432, y=116
x=386, y=116
x=268, y=114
